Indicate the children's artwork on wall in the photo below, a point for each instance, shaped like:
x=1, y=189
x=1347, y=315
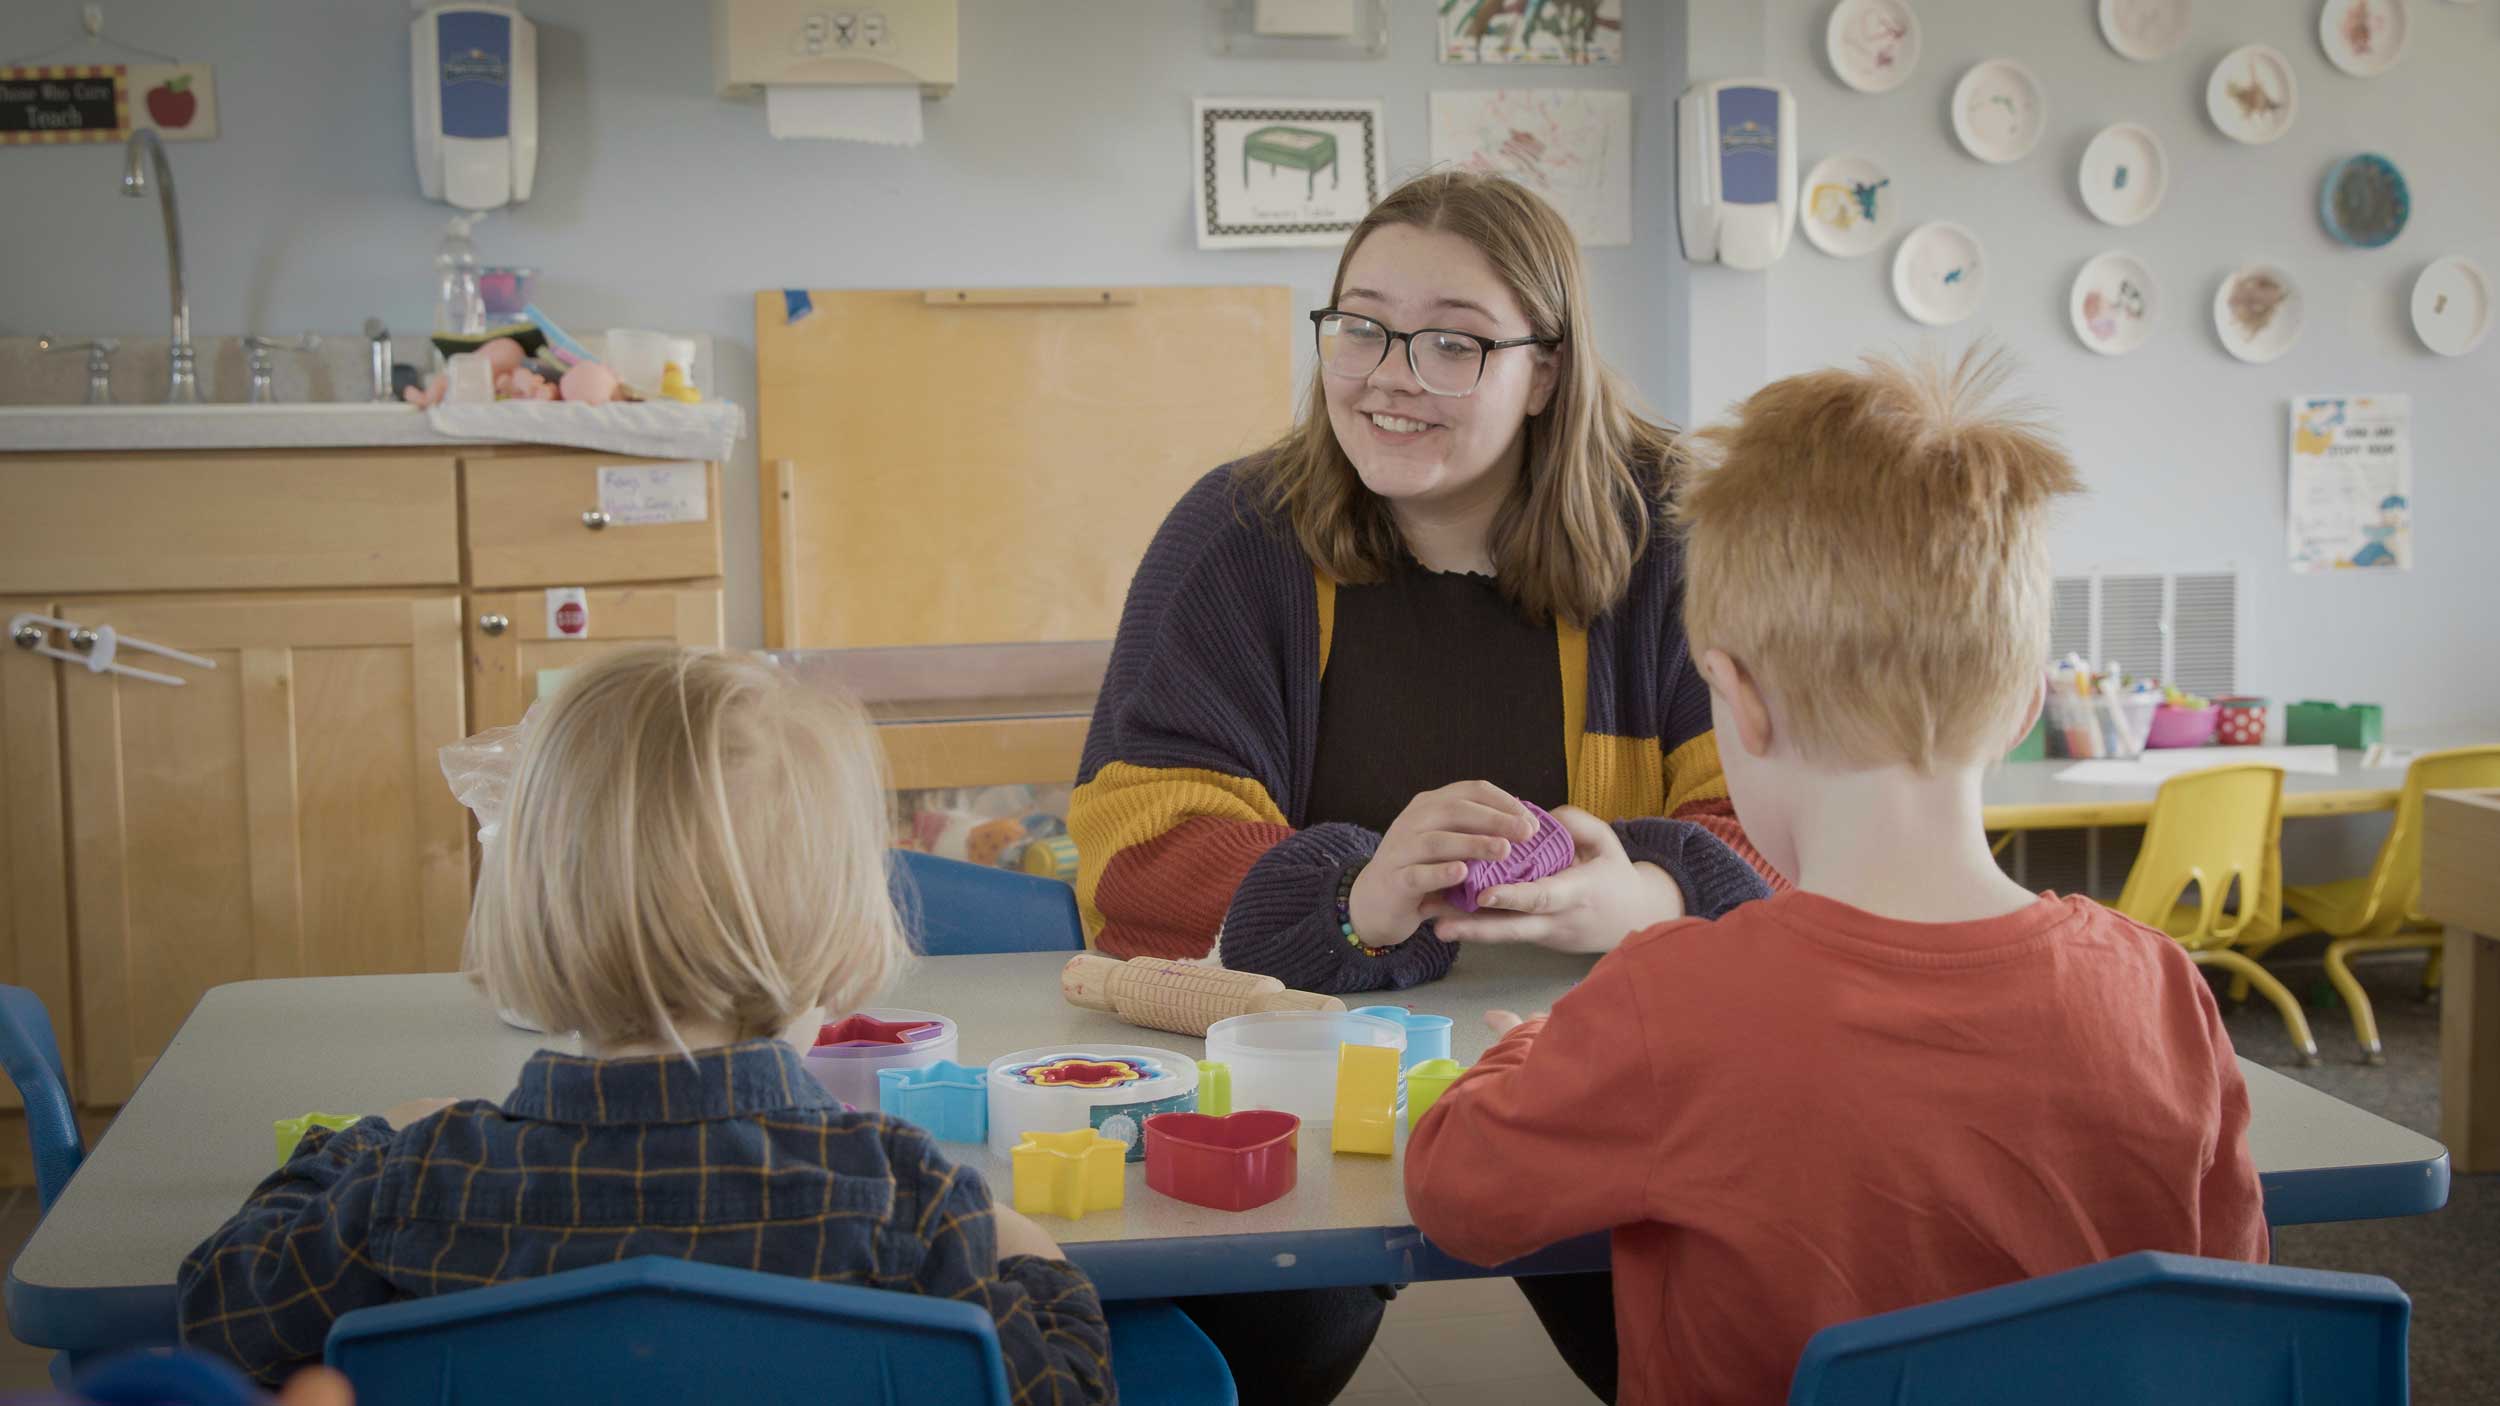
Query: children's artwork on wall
x=2253, y=96
x=2113, y=304
x=2364, y=201
x=1285, y=171
x=1532, y=31
x=2124, y=174
x=2452, y=305
x=2144, y=30
x=1850, y=206
x=2351, y=504
x=2258, y=313
x=1872, y=44
x=1939, y=274
x=1999, y=111
x=2365, y=38
x=1572, y=146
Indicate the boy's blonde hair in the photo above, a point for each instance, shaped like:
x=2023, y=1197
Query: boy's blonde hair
x=691, y=837
x=1871, y=546
x=1564, y=542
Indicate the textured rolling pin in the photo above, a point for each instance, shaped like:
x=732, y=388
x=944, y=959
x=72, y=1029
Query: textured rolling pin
x=1185, y=999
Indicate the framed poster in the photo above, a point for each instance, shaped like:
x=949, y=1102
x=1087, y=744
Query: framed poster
x=1285, y=171
x=1532, y=31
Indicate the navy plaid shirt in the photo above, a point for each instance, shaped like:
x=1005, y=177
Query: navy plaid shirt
x=737, y=1158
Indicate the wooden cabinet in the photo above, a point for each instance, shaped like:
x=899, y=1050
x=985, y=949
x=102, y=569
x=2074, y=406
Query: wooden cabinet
x=284, y=813
x=280, y=815
x=513, y=646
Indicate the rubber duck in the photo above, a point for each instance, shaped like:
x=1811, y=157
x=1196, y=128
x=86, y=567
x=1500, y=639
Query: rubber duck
x=675, y=386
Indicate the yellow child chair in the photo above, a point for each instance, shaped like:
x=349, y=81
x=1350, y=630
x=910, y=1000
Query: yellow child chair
x=2375, y=912
x=2218, y=829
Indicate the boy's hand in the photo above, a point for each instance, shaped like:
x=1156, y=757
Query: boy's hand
x=1590, y=907
x=1502, y=1023
x=1018, y=1235
x=1426, y=849
x=414, y=1110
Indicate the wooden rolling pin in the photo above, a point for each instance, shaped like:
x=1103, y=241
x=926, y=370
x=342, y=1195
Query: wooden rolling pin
x=1161, y=994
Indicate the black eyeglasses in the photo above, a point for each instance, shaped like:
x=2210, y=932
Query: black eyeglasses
x=1445, y=361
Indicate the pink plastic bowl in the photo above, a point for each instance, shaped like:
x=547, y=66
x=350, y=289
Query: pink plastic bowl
x=2182, y=727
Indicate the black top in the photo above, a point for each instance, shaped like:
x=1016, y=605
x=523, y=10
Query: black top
x=1433, y=678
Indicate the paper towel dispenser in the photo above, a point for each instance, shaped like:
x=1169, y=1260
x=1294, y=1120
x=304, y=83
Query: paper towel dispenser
x=760, y=44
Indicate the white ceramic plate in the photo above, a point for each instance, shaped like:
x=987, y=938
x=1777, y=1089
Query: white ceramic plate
x=1939, y=274
x=1849, y=206
x=2258, y=312
x=1999, y=111
x=2144, y=30
x=2124, y=173
x=2114, y=303
x=2452, y=305
x=2253, y=95
x=1873, y=44
x=2365, y=38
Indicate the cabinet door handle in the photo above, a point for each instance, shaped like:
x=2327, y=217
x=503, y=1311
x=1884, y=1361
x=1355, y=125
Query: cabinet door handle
x=494, y=624
x=595, y=520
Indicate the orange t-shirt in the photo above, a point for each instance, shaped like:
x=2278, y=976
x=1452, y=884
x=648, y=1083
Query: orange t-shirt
x=1803, y=1113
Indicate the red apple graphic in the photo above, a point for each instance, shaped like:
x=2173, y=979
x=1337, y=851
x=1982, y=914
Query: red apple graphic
x=171, y=103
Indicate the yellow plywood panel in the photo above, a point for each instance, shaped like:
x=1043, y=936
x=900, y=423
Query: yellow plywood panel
x=964, y=466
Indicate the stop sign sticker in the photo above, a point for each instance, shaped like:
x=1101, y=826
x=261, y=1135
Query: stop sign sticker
x=568, y=613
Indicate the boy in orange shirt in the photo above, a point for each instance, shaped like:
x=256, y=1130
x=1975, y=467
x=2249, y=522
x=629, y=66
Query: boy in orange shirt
x=1909, y=1078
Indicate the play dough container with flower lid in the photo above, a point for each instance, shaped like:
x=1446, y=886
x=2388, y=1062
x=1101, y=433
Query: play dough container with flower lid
x=849, y=1052
x=1287, y=1060
x=1111, y=1088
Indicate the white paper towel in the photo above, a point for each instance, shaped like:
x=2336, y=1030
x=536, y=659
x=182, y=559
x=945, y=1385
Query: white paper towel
x=885, y=113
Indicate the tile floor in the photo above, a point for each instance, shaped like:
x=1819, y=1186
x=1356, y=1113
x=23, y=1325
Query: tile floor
x=1459, y=1343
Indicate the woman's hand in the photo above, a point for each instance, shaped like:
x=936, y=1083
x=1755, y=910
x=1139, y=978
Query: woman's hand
x=1502, y=1023
x=1018, y=1235
x=1590, y=907
x=1426, y=850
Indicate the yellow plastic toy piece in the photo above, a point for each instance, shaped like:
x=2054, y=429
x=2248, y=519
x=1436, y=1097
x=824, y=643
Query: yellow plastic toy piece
x=291, y=1130
x=675, y=386
x=1367, y=1100
x=1068, y=1174
x=1215, y=1087
x=1426, y=1082
x=2377, y=912
x=2221, y=830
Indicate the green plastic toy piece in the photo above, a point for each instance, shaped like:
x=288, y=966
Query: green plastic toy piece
x=1426, y=1082
x=291, y=1130
x=1215, y=1087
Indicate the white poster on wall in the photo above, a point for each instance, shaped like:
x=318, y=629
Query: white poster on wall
x=1571, y=145
x=2351, y=500
x=1285, y=171
x=1532, y=31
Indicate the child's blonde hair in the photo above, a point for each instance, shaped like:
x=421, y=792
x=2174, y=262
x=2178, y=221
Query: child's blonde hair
x=691, y=836
x=1870, y=546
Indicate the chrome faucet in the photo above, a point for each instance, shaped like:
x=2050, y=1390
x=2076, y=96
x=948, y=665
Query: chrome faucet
x=182, y=385
x=380, y=338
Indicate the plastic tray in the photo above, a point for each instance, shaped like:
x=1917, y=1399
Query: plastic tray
x=1287, y=1060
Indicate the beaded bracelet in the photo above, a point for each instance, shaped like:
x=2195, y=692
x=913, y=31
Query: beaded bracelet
x=1345, y=913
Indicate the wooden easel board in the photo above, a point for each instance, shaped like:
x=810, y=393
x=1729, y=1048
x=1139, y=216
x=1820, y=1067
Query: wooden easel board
x=972, y=466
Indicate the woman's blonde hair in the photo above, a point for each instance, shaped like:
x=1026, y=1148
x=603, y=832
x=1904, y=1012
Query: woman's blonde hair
x=1564, y=542
x=691, y=836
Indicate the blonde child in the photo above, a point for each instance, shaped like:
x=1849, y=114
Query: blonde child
x=690, y=874
x=1910, y=1078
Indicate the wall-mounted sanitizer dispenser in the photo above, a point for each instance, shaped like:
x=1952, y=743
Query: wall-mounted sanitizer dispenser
x=474, y=71
x=1736, y=172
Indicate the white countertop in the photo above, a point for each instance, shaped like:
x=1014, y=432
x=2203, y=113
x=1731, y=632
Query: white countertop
x=80, y=428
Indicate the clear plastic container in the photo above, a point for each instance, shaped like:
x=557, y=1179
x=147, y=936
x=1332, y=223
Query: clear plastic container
x=1111, y=1088
x=862, y=1044
x=1287, y=1060
x=2102, y=724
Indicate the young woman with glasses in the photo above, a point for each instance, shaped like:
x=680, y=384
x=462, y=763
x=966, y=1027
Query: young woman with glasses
x=1346, y=660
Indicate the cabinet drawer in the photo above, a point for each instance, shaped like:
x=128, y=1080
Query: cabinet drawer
x=95, y=522
x=527, y=526
x=513, y=646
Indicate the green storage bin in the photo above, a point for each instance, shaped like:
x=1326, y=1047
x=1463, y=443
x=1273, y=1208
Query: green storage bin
x=2035, y=744
x=2311, y=723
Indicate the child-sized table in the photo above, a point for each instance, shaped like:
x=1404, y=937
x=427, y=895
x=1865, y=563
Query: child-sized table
x=99, y=1272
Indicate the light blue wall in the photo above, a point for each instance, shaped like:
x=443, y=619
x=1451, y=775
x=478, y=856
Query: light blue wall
x=2183, y=447
x=1062, y=157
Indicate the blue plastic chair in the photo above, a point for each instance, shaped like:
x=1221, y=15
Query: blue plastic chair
x=172, y=1377
x=663, y=1332
x=956, y=909
x=2146, y=1327
x=33, y=1058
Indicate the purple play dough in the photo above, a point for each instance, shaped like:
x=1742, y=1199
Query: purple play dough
x=1548, y=854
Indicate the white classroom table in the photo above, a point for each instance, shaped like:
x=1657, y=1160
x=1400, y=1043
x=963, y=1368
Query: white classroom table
x=196, y=1137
